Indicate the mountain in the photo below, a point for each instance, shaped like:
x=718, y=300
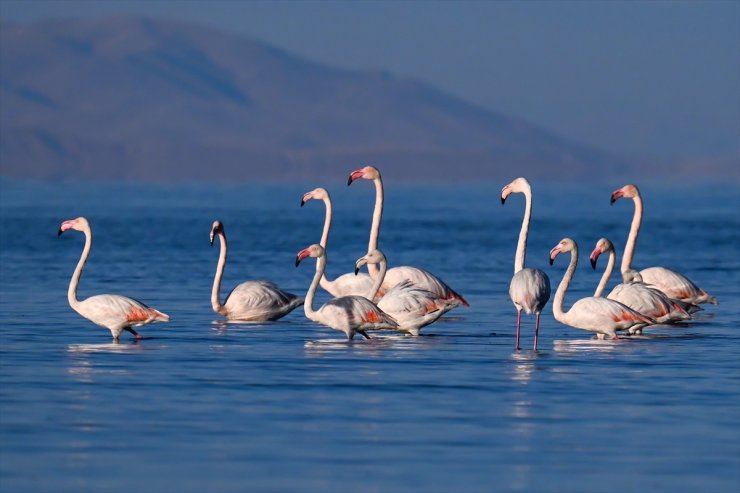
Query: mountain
x=150, y=99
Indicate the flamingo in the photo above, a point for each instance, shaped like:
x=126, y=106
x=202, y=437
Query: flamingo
x=673, y=284
x=251, y=301
x=349, y=314
x=530, y=288
x=396, y=275
x=600, y=315
x=409, y=305
x=346, y=284
x=636, y=295
x=112, y=311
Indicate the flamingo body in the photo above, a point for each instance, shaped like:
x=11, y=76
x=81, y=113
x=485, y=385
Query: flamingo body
x=676, y=285
x=600, y=315
x=112, y=311
x=250, y=301
x=673, y=284
x=529, y=288
x=636, y=294
x=259, y=301
x=420, y=277
x=349, y=314
x=411, y=306
x=116, y=312
x=423, y=279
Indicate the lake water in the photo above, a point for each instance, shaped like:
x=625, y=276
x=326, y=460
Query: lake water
x=290, y=406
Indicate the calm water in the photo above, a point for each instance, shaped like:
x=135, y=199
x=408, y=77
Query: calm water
x=290, y=406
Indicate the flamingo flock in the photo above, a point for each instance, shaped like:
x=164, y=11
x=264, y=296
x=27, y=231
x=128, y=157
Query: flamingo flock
x=405, y=299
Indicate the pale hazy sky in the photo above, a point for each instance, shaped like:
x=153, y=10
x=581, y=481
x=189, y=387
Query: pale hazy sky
x=654, y=79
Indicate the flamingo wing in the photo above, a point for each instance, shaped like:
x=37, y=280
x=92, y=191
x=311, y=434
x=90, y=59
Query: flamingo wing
x=675, y=285
x=255, y=300
x=358, y=313
x=648, y=301
x=423, y=279
x=530, y=290
x=604, y=315
x=116, y=311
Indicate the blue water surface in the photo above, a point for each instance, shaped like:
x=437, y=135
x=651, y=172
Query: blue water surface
x=200, y=405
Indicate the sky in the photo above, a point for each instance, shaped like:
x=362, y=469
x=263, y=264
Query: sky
x=653, y=79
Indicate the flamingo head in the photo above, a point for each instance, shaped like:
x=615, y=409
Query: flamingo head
x=373, y=257
x=602, y=246
x=517, y=186
x=79, y=224
x=565, y=245
x=630, y=276
x=627, y=191
x=316, y=193
x=216, y=229
x=314, y=251
x=368, y=173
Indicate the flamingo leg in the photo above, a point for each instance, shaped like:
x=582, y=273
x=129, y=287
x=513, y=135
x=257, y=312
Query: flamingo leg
x=518, y=324
x=364, y=334
x=136, y=334
x=536, y=329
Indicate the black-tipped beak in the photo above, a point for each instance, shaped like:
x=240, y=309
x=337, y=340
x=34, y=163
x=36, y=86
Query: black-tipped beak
x=612, y=200
x=302, y=202
x=60, y=232
x=552, y=260
x=503, y=200
x=593, y=263
x=297, y=261
x=349, y=180
x=211, y=240
x=357, y=269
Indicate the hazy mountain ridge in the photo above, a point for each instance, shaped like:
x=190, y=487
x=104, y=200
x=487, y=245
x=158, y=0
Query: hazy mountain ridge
x=139, y=98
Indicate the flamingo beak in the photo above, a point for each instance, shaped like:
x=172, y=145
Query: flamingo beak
x=212, y=237
x=358, y=265
x=504, y=193
x=594, y=256
x=354, y=175
x=306, y=197
x=554, y=253
x=617, y=194
x=301, y=255
x=64, y=227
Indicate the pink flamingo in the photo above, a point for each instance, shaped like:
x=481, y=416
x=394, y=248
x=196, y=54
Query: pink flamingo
x=599, y=315
x=530, y=288
x=112, y=311
x=673, y=284
x=410, y=306
x=346, y=284
x=349, y=314
x=251, y=301
x=415, y=275
x=636, y=295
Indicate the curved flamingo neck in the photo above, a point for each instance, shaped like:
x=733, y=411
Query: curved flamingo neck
x=557, y=304
x=521, y=247
x=606, y=275
x=325, y=282
x=378, y=281
x=74, y=282
x=308, y=302
x=215, y=292
x=375, y=227
x=629, y=248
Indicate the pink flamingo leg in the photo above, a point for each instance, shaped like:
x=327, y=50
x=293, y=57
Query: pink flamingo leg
x=536, y=329
x=518, y=323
